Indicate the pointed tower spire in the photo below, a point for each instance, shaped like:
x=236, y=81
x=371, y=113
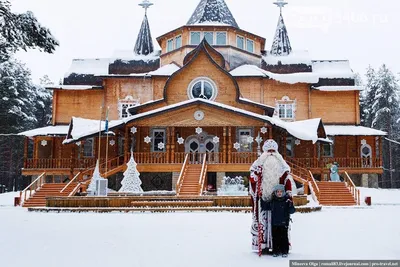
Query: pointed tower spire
x=212, y=11
x=144, y=42
x=281, y=44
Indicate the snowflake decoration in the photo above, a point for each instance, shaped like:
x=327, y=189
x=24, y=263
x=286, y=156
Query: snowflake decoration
x=363, y=142
x=259, y=139
x=78, y=143
x=181, y=140
x=199, y=130
x=236, y=146
x=250, y=139
x=161, y=146
x=264, y=130
x=297, y=142
x=44, y=143
x=112, y=142
x=147, y=139
x=216, y=140
x=133, y=130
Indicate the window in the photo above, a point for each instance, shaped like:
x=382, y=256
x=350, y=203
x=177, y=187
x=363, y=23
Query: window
x=178, y=41
x=88, y=148
x=243, y=136
x=221, y=38
x=289, y=147
x=240, y=42
x=121, y=146
x=209, y=36
x=327, y=149
x=250, y=46
x=170, y=45
x=158, y=137
x=125, y=104
x=202, y=88
x=286, y=111
x=285, y=108
x=194, y=38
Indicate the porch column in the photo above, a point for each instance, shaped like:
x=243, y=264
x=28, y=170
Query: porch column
x=270, y=131
x=173, y=144
x=347, y=151
x=380, y=152
x=71, y=175
x=35, y=152
x=168, y=145
x=224, y=156
x=25, y=151
x=126, y=145
x=230, y=144
x=321, y=162
x=315, y=158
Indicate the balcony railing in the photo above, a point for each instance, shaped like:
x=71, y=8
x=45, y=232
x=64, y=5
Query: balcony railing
x=197, y=158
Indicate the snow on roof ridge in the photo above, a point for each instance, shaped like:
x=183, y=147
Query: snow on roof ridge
x=295, y=57
x=353, y=130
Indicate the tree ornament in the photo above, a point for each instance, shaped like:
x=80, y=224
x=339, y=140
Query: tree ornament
x=264, y=130
x=112, y=142
x=250, y=139
x=131, y=182
x=236, y=146
x=216, y=140
x=161, y=146
x=133, y=130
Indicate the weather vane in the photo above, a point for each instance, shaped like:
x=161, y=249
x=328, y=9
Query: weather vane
x=146, y=4
x=280, y=4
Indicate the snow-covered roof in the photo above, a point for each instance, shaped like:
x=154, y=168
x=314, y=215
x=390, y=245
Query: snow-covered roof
x=254, y=102
x=144, y=42
x=332, y=69
x=74, y=87
x=334, y=130
x=94, y=66
x=209, y=12
x=292, y=78
x=281, y=43
x=47, y=131
x=85, y=127
x=338, y=88
x=304, y=130
x=166, y=70
x=294, y=58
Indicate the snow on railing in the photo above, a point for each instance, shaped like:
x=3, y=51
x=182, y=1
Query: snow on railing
x=314, y=183
x=38, y=183
x=353, y=189
x=180, y=179
x=203, y=174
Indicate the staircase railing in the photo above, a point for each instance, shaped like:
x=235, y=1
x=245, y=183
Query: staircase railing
x=314, y=185
x=32, y=187
x=353, y=189
x=302, y=181
x=180, y=179
x=70, y=182
x=203, y=174
x=76, y=188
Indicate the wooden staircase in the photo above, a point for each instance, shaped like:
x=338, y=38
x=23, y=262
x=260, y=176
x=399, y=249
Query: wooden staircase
x=38, y=199
x=190, y=185
x=335, y=194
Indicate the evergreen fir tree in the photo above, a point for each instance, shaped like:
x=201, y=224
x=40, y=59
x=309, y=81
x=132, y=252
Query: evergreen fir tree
x=131, y=182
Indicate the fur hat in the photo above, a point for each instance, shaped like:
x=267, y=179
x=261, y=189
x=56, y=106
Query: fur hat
x=279, y=187
x=270, y=144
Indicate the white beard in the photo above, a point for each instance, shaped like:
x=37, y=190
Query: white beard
x=273, y=168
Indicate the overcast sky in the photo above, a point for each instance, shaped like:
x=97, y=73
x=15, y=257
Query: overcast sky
x=364, y=31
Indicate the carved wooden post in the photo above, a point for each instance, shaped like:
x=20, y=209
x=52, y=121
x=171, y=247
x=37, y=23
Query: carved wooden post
x=230, y=145
x=35, y=149
x=315, y=161
x=380, y=152
x=26, y=151
x=224, y=156
x=347, y=152
x=173, y=144
x=126, y=144
x=270, y=136
x=168, y=147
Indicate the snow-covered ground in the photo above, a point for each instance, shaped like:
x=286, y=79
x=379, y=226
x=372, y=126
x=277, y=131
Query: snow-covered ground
x=381, y=196
x=188, y=239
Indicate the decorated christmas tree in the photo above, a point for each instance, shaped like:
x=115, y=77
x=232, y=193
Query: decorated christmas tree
x=96, y=176
x=131, y=182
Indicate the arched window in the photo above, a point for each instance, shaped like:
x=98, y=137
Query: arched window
x=203, y=88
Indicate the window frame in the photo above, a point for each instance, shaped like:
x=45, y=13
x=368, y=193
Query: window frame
x=237, y=43
x=190, y=41
x=129, y=104
x=202, y=79
x=290, y=140
x=175, y=42
x=213, y=36
x=92, y=148
x=247, y=45
x=154, y=145
x=226, y=38
x=286, y=108
x=172, y=42
x=238, y=139
x=331, y=148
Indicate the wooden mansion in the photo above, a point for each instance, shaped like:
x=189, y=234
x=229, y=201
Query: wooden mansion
x=201, y=108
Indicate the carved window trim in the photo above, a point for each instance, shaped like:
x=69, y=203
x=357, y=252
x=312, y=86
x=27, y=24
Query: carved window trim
x=289, y=106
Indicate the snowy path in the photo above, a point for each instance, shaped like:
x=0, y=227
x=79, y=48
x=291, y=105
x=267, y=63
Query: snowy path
x=189, y=239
